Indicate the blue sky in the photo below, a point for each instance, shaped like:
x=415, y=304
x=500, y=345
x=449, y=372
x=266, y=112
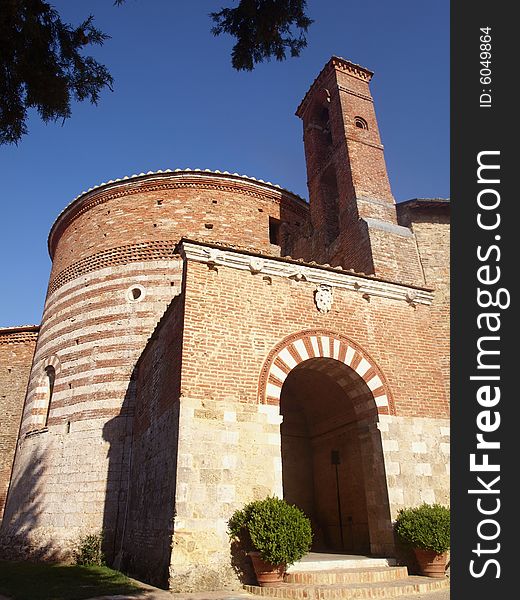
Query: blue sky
x=177, y=103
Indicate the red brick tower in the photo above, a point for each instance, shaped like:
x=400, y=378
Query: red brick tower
x=352, y=208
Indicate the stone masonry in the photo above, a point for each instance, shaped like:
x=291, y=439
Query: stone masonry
x=210, y=338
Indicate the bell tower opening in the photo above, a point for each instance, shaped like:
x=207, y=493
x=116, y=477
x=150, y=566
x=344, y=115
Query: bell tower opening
x=328, y=457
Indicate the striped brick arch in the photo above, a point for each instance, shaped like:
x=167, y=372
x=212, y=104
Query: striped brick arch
x=333, y=354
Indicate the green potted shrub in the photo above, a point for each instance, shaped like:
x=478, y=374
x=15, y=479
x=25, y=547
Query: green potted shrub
x=275, y=533
x=426, y=529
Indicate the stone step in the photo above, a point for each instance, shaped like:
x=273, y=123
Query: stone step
x=349, y=575
x=357, y=591
x=326, y=562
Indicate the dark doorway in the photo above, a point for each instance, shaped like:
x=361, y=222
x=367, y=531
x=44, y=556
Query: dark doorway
x=324, y=406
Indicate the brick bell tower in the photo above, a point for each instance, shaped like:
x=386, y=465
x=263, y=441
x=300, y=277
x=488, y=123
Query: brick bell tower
x=352, y=209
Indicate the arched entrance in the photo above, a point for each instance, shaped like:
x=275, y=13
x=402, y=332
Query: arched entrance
x=330, y=395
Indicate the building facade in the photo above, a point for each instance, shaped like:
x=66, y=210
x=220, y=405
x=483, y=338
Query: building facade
x=210, y=338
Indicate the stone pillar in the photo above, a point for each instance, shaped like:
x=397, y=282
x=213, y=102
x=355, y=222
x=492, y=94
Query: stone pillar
x=379, y=520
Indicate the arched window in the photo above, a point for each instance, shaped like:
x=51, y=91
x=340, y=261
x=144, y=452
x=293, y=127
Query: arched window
x=360, y=123
x=324, y=123
x=50, y=377
x=320, y=122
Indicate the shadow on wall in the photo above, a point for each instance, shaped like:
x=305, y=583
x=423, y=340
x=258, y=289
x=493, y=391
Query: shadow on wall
x=241, y=564
x=118, y=432
x=141, y=485
x=19, y=536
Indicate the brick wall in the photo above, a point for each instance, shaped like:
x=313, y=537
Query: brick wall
x=93, y=330
x=392, y=332
x=16, y=352
x=348, y=180
x=113, y=222
x=146, y=536
x=430, y=224
x=114, y=273
x=226, y=438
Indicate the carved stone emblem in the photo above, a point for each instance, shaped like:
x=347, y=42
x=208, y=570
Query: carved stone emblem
x=323, y=298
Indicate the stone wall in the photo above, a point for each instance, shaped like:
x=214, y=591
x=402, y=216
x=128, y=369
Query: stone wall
x=417, y=460
x=78, y=446
x=229, y=454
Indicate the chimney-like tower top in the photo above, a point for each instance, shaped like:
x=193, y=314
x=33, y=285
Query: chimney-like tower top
x=339, y=64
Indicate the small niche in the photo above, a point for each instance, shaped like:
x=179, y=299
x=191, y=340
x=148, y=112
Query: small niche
x=208, y=225
x=214, y=201
x=159, y=202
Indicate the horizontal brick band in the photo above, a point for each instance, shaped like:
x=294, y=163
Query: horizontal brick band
x=161, y=250
x=18, y=337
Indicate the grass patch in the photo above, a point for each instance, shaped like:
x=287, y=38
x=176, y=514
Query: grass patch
x=41, y=581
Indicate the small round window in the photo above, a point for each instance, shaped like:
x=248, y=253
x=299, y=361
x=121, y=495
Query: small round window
x=135, y=293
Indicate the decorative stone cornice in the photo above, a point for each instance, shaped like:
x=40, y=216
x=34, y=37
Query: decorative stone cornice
x=296, y=270
x=390, y=227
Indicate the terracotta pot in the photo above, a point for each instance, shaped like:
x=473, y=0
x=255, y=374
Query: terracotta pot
x=266, y=573
x=431, y=564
